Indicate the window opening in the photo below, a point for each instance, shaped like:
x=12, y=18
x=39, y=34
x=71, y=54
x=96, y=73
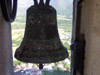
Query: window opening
x=64, y=23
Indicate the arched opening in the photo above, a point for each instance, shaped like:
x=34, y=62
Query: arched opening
x=64, y=21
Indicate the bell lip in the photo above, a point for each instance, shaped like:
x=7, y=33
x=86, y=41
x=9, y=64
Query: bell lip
x=46, y=60
x=37, y=62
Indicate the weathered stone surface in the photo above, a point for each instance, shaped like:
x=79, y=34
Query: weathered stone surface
x=6, y=60
x=90, y=26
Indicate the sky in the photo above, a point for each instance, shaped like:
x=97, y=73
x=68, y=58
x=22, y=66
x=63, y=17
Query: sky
x=60, y=5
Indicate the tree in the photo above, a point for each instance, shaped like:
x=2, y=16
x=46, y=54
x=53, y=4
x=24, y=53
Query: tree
x=16, y=63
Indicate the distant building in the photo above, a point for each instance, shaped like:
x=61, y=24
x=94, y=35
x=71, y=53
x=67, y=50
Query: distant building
x=60, y=66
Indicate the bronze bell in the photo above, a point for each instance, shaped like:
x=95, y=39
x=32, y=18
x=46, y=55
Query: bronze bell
x=41, y=42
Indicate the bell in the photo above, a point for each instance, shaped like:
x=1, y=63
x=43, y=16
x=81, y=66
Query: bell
x=41, y=42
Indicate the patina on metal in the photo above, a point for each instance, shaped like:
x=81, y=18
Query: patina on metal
x=41, y=42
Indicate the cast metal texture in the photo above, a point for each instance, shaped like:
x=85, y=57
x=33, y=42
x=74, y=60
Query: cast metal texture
x=41, y=42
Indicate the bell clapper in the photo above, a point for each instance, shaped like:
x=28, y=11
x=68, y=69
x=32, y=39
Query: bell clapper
x=40, y=66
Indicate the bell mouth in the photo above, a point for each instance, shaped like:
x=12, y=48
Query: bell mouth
x=50, y=58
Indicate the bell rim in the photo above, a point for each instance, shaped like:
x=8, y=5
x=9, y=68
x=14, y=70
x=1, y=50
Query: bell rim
x=52, y=59
x=27, y=60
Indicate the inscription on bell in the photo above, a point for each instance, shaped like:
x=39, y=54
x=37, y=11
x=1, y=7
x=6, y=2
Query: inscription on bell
x=41, y=19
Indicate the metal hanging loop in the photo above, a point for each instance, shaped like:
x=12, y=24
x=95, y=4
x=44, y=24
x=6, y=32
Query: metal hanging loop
x=9, y=16
x=35, y=2
x=41, y=2
x=47, y=2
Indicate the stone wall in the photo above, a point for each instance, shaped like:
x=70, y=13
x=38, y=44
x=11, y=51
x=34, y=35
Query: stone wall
x=90, y=26
x=6, y=60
